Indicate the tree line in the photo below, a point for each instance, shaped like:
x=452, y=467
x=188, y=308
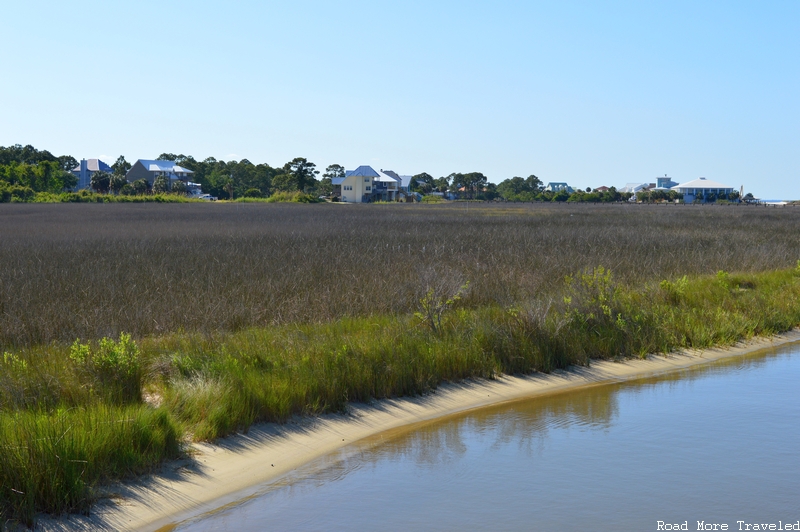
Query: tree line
x=26, y=171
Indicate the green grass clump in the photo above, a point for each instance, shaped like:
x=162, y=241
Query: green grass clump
x=53, y=460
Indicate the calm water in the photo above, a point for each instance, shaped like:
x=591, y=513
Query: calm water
x=719, y=443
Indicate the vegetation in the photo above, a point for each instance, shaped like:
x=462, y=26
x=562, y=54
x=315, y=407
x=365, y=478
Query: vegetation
x=201, y=321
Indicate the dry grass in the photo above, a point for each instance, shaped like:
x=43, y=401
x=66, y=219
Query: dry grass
x=86, y=270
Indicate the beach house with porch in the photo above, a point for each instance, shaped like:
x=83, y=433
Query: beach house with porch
x=365, y=184
x=702, y=189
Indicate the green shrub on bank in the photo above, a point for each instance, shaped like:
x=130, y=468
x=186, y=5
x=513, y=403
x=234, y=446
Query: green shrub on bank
x=113, y=367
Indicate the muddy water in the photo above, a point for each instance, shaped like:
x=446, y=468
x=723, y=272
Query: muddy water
x=717, y=444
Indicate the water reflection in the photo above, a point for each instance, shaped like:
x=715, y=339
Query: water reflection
x=694, y=443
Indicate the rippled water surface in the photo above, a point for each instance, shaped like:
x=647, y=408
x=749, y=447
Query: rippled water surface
x=719, y=443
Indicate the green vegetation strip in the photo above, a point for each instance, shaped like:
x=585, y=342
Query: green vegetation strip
x=74, y=416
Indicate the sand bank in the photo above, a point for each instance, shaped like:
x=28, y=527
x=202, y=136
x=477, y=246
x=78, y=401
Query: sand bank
x=239, y=466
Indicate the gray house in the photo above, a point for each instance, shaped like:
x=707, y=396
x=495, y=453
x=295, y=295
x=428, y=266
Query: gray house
x=151, y=169
x=86, y=170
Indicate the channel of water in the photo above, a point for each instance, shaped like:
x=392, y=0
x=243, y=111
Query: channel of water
x=718, y=443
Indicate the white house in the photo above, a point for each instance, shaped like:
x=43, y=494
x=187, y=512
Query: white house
x=86, y=169
x=558, y=187
x=365, y=184
x=151, y=169
x=702, y=188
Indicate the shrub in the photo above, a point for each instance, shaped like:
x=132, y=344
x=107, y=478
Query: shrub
x=114, y=368
x=253, y=193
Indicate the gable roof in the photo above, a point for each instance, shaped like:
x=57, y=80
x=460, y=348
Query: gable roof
x=365, y=171
x=94, y=165
x=154, y=165
x=701, y=182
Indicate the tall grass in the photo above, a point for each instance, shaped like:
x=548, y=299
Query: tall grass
x=92, y=270
x=52, y=460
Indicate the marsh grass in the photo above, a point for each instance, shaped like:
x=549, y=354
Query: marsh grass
x=88, y=271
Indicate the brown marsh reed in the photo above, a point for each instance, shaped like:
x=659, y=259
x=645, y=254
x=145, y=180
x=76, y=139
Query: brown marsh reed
x=87, y=271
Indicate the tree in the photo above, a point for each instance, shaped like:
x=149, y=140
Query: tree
x=140, y=186
x=161, y=185
x=116, y=182
x=121, y=167
x=423, y=183
x=333, y=171
x=284, y=183
x=442, y=184
x=179, y=187
x=302, y=172
x=534, y=184
x=67, y=162
x=100, y=181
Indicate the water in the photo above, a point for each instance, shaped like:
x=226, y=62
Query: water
x=719, y=444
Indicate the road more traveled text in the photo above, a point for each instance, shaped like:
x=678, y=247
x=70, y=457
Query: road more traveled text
x=740, y=525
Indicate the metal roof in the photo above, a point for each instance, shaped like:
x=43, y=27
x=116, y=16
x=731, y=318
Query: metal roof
x=701, y=182
x=383, y=177
x=163, y=166
x=94, y=165
x=337, y=180
x=365, y=171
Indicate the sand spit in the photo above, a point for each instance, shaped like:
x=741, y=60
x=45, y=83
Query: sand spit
x=238, y=466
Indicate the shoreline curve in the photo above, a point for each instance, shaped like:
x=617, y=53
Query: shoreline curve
x=237, y=467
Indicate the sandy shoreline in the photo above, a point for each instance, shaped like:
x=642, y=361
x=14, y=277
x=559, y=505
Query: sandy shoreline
x=236, y=467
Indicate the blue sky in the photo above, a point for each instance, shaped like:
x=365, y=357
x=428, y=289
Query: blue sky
x=592, y=93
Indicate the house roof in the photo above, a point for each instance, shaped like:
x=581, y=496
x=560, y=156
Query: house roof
x=383, y=177
x=337, y=180
x=163, y=166
x=365, y=171
x=406, y=180
x=701, y=182
x=94, y=165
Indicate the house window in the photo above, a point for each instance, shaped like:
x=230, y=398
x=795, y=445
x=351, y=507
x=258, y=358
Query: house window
x=368, y=188
x=366, y=180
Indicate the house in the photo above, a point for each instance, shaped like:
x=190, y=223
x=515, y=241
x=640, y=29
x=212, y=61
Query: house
x=365, y=184
x=634, y=187
x=702, y=189
x=86, y=170
x=151, y=169
x=665, y=182
x=558, y=187
x=601, y=189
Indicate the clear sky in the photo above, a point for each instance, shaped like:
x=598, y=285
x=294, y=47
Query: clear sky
x=592, y=93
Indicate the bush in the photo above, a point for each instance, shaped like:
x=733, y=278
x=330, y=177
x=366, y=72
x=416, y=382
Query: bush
x=292, y=197
x=253, y=193
x=113, y=368
x=127, y=190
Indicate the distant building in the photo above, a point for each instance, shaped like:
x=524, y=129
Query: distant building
x=86, y=169
x=365, y=184
x=634, y=187
x=151, y=169
x=703, y=189
x=665, y=182
x=601, y=189
x=558, y=187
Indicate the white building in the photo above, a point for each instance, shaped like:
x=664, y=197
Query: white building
x=558, y=187
x=365, y=184
x=702, y=188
